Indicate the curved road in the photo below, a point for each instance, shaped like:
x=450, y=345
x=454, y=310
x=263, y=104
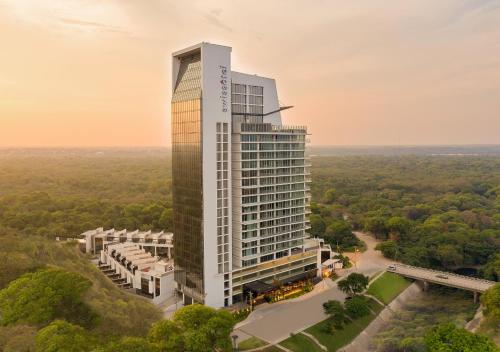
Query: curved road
x=274, y=322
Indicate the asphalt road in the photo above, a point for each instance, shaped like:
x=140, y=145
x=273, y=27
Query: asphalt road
x=274, y=322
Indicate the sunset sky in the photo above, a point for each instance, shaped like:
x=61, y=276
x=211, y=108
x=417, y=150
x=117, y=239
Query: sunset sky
x=371, y=72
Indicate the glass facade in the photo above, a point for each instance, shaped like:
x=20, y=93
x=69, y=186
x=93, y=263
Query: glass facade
x=247, y=99
x=187, y=176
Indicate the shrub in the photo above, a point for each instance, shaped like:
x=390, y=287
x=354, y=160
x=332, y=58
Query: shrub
x=40, y=297
x=63, y=336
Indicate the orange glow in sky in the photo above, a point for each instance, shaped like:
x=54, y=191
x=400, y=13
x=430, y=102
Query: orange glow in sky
x=95, y=73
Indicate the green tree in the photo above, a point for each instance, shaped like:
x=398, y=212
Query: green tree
x=491, y=270
x=388, y=248
x=339, y=232
x=491, y=301
x=354, y=283
x=376, y=225
x=166, y=220
x=449, y=256
x=357, y=307
x=346, y=263
x=131, y=344
x=336, y=311
x=39, y=297
x=397, y=224
x=166, y=335
x=449, y=338
x=339, y=228
x=330, y=196
x=318, y=225
x=63, y=336
x=194, y=328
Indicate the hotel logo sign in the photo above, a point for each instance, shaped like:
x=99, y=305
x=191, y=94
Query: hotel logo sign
x=223, y=88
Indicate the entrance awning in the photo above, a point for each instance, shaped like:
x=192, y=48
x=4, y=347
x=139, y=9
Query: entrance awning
x=258, y=287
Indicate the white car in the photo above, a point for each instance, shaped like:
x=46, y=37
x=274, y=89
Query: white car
x=391, y=268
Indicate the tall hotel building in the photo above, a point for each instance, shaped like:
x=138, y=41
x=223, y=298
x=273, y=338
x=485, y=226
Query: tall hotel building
x=240, y=182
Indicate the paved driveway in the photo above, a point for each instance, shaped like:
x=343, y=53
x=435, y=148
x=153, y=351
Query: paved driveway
x=274, y=322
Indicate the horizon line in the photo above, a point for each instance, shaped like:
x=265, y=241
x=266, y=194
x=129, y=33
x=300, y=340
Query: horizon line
x=312, y=145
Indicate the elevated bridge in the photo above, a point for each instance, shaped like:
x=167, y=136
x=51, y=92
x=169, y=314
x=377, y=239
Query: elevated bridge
x=427, y=276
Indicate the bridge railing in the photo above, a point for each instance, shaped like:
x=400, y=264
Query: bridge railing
x=446, y=273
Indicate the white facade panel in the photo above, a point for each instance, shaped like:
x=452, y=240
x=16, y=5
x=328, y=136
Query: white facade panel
x=216, y=108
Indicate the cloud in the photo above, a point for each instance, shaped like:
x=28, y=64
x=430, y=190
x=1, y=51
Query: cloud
x=79, y=24
x=214, y=19
x=59, y=15
x=466, y=10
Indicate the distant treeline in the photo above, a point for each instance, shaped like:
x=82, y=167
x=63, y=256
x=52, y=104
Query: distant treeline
x=440, y=212
x=398, y=150
x=63, y=193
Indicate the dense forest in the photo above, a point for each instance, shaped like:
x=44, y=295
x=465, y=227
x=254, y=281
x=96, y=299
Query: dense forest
x=64, y=193
x=433, y=211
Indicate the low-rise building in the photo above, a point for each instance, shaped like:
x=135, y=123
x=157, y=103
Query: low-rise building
x=159, y=244
x=130, y=266
x=327, y=259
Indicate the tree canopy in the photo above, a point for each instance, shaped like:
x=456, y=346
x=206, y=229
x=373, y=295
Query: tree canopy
x=491, y=302
x=63, y=336
x=337, y=313
x=438, y=212
x=40, y=297
x=354, y=283
x=194, y=328
x=449, y=338
x=357, y=307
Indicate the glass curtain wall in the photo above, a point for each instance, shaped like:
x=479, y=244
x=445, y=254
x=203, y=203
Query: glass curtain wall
x=187, y=176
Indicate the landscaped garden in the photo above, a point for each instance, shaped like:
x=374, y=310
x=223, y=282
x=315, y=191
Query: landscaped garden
x=251, y=343
x=242, y=314
x=300, y=342
x=387, y=287
x=347, y=320
x=333, y=340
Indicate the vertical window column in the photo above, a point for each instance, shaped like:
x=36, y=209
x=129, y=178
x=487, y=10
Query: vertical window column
x=222, y=197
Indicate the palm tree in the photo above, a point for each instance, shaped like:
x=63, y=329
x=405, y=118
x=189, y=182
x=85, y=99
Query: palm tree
x=355, y=283
x=345, y=286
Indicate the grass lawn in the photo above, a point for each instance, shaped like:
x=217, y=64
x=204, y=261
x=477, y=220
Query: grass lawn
x=271, y=349
x=343, y=337
x=387, y=287
x=251, y=343
x=374, y=275
x=375, y=306
x=300, y=343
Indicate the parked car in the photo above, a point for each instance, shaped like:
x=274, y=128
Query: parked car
x=441, y=276
x=391, y=268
